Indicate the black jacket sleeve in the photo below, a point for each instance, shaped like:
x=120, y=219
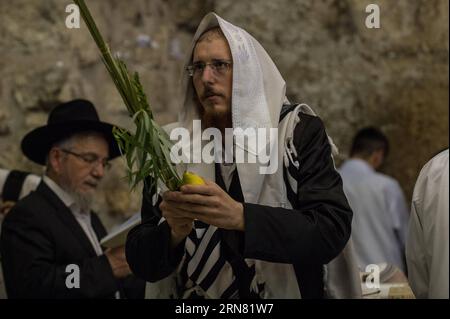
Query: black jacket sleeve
x=28, y=260
x=148, y=250
x=318, y=229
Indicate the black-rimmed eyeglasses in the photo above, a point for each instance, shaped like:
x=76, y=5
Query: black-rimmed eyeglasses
x=90, y=158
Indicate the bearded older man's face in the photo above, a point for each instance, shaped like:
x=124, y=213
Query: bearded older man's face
x=213, y=88
x=80, y=168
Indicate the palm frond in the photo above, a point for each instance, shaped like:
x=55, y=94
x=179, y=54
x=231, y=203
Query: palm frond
x=146, y=151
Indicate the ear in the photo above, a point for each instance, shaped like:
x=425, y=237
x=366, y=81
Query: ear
x=378, y=158
x=54, y=159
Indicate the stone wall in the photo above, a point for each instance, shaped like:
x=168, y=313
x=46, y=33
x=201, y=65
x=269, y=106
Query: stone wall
x=395, y=77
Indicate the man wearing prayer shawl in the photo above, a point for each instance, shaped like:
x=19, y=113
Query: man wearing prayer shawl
x=245, y=234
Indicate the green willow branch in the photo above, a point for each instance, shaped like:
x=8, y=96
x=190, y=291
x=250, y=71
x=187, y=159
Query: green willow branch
x=147, y=151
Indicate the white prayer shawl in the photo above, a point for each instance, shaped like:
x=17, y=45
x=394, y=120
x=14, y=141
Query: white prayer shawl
x=257, y=97
x=428, y=242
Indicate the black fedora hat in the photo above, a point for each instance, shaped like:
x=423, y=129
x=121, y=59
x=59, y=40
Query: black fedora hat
x=65, y=120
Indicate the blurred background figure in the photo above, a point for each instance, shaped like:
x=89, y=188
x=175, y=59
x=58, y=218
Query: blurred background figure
x=427, y=245
x=14, y=185
x=380, y=214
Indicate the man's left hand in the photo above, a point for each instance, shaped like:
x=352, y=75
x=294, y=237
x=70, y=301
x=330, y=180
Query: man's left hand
x=210, y=204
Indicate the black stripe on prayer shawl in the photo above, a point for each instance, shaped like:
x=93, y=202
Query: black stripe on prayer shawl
x=193, y=236
x=183, y=275
x=231, y=291
x=201, y=245
x=212, y=275
x=213, y=242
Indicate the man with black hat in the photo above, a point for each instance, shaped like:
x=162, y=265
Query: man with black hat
x=50, y=239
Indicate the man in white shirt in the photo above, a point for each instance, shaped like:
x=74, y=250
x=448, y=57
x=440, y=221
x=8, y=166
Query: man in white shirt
x=380, y=214
x=50, y=239
x=427, y=245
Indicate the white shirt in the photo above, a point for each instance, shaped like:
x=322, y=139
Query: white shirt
x=83, y=218
x=227, y=172
x=427, y=246
x=380, y=214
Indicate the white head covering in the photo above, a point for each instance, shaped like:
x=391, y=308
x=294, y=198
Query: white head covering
x=258, y=87
x=258, y=93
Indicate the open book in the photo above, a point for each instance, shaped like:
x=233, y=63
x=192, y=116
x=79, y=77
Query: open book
x=118, y=236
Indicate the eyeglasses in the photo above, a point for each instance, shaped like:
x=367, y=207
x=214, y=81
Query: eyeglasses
x=90, y=158
x=219, y=67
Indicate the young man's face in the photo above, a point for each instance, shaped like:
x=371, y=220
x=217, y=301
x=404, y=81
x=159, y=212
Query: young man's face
x=213, y=88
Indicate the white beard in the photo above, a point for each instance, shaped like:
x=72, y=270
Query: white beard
x=84, y=201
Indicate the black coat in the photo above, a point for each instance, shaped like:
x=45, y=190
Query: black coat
x=308, y=236
x=40, y=237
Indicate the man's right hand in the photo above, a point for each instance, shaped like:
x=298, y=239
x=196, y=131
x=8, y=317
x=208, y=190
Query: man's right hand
x=180, y=225
x=117, y=260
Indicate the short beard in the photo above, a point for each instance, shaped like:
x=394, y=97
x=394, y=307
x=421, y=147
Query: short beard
x=83, y=200
x=212, y=118
x=218, y=120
